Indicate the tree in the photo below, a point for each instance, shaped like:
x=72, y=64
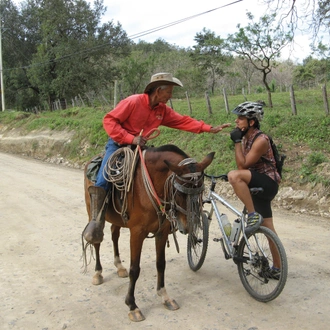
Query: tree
x=261, y=43
x=209, y=54
x=312, y=72
x=283, y=75
x=65, y=49
x=310, y=16
x=247, y=69
x=18, y=46
x=135, y=69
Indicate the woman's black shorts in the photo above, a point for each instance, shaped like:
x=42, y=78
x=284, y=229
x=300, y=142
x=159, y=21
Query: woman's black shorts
x=262, y=200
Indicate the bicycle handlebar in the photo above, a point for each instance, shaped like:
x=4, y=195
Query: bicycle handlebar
x=223, y=177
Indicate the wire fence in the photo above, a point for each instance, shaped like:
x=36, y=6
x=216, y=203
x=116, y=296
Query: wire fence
x=93, y=99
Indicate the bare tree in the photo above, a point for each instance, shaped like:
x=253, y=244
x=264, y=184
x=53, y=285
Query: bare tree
x=261, y=43
x=309, y=16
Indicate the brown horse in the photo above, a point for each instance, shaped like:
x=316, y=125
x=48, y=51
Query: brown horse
x=178, y=183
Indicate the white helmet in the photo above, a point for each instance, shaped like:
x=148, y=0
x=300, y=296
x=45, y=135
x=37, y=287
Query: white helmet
x=250, y=110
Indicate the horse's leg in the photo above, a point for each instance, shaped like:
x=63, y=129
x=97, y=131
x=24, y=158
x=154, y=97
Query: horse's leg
x=160, y=264
x=97, y=278
x=115, y=233
x=136, y=242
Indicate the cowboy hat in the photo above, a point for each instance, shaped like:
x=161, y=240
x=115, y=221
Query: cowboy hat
x=163, y=78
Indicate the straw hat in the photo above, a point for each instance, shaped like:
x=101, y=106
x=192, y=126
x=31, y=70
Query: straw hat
x=162, y=78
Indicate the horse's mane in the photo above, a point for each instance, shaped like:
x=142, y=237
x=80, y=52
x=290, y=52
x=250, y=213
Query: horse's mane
x=169, y=147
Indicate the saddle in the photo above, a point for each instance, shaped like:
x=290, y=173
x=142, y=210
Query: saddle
x=93, y=167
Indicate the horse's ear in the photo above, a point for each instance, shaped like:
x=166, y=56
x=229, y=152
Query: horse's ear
x=174, y=168
x=203, y=164
x=207, y=160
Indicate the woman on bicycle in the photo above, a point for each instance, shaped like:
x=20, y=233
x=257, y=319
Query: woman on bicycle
x=256, y=167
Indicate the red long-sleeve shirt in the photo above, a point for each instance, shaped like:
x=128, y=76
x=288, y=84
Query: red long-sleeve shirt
x=133, y=114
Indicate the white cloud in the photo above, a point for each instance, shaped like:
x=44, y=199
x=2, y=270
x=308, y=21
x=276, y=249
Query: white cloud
x=143, y=15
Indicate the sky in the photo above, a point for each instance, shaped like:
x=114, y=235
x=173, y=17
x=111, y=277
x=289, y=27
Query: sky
x=137, y=17
x=218, y=16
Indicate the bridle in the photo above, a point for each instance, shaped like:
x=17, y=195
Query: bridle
x=192, y=186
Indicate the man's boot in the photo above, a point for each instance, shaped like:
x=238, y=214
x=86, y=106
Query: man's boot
x=93, y=232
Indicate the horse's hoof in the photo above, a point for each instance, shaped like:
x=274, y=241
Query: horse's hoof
x=171, y=305
x=122, y=272
x=136, y=315
x=97, y=279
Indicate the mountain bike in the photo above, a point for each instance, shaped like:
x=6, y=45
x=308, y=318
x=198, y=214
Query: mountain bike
x=253, y=254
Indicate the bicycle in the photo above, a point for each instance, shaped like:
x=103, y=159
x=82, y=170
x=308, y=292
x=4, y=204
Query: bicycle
x=251, y=253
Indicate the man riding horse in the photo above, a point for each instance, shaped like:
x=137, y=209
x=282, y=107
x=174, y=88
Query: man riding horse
x=124, y=124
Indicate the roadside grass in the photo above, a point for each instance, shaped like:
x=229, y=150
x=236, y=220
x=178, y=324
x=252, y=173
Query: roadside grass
x=303, y=137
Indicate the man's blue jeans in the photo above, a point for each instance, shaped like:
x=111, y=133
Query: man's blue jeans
x=110, y=148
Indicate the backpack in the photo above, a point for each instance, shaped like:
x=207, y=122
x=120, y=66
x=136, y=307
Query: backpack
x=279, y=158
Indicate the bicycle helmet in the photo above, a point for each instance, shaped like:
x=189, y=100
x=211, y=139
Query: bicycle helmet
x=250, y=110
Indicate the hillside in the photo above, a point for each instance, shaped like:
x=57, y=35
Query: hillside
x=57, y=145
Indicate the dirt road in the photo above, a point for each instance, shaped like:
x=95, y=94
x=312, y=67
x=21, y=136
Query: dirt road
x=42, y=215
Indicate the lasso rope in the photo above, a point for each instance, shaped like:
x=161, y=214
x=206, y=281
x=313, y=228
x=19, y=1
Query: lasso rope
x=193, y=199
x=119, y=171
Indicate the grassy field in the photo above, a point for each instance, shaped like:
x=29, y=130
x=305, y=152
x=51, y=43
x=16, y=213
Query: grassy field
x=302, y=137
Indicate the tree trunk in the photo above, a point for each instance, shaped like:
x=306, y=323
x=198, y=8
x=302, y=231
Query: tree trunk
x=269, y=92
x=270, y=102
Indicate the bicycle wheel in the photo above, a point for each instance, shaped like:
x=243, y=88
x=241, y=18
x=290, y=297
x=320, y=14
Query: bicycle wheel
x=254, y=265
x=197, y=243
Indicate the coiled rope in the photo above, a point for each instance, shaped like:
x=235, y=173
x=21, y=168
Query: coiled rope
x=118, y=171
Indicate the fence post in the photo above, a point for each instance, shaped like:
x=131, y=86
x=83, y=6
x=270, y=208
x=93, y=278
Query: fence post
x=208, y=103
x=243, y=93
x=189, y=105
x=325, y=99
x=115, y=94
x=82, y=101
x=293, y=101
x=226, y=100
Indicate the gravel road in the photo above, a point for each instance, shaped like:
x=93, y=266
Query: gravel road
x=42, y=215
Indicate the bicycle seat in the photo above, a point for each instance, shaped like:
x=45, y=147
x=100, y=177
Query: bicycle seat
x=256, y=190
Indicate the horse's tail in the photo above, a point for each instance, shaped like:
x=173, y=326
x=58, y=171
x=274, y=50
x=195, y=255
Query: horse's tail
x=84, y=253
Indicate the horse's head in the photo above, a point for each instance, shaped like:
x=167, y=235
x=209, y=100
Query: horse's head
x=186, y=191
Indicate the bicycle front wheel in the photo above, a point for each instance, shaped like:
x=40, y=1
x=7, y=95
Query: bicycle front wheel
x=198, y=242
x=254, y=263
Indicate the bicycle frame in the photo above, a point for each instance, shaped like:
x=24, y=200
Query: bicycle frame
x=228, y=247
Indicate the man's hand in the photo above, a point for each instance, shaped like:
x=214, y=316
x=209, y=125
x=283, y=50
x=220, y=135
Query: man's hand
x=219, y=128
x=139, y=141
x=236, y=135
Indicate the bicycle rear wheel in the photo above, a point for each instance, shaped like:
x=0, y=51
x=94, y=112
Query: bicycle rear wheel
x=254, y=266
x=198, y=242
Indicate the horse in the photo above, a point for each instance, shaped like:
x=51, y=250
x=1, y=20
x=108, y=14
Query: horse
x=165, y=196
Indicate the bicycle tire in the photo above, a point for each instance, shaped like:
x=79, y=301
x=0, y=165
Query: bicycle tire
x=252, y=272
x=197, y=243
